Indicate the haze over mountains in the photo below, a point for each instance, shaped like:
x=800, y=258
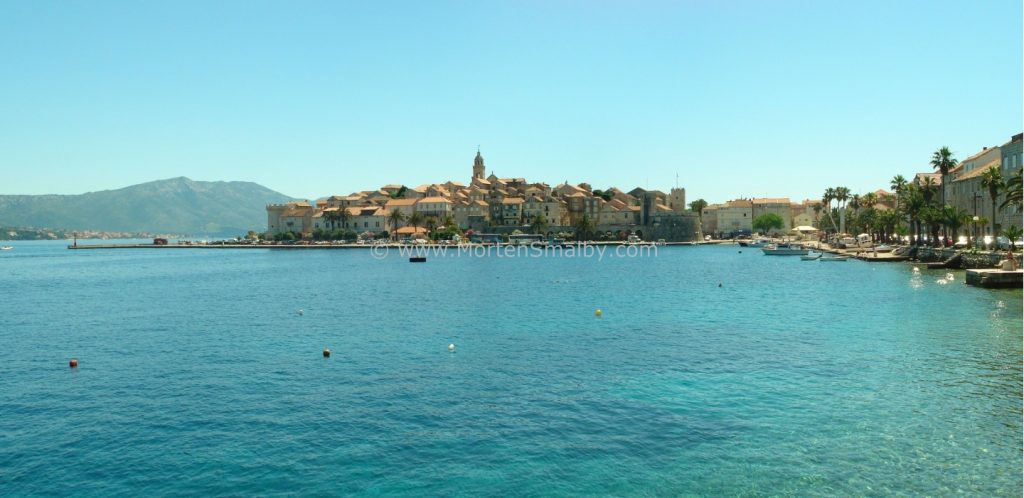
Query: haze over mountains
x=176, y=205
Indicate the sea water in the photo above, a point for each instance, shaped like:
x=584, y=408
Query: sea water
x=712, y=371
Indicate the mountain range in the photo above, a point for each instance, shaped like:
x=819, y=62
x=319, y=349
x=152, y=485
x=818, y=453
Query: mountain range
x=177, y=205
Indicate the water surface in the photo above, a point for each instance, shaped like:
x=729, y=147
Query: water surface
x=198, y=376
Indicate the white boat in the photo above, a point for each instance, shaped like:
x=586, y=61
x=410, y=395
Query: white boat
x=810, y=256
x=834, y=258
x=6, y=248
x=784, y=250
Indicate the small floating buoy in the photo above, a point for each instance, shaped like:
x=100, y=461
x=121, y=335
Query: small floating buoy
x=73, y=363
x=301, y=312
x=327, y=353
x=719, y=284
x=950, y=277
x=917, y=270
x=597, y=312
x=451, y=347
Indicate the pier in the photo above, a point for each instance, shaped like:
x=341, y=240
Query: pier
x=995, y=278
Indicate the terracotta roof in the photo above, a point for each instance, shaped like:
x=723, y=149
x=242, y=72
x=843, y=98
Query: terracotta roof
x=410, y=230
x=433, y=199
x=512, y=200
x=979, y=154
x=771, y=200
x=976, y=172
x=401, y=202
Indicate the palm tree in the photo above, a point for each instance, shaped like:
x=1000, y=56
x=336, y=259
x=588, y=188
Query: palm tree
x=416, y=219
x=1013, y=233
x=993, y=180
x=928, y=187
x=869, y=199
x=431, y=224
x=449, y=222
x=830, y=195
x=842, y=195
x=333, y=215
x=943, y=161
x=396, y=218
x=913, y=204
x=954, y=218
x=898, y=183
x=583, y=227
x=539, y=224
x=1012, y=191
x=344, y=217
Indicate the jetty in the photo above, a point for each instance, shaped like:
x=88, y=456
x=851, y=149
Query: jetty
x=996, y=278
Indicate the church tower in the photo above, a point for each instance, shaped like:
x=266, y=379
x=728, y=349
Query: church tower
x=478, y=165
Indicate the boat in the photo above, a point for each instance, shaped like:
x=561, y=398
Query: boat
x=810, y=256
x=784, y=250
x=834, y=258
x=6, y=248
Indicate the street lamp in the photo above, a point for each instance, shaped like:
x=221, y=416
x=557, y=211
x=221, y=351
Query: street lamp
x=975, y=231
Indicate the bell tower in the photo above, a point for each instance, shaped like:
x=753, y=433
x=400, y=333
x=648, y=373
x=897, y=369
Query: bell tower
x=478, y=165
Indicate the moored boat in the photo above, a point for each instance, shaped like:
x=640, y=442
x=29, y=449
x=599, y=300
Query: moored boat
x=6, y=248
x=834, y=258
x=784, y=250
x=810, y=256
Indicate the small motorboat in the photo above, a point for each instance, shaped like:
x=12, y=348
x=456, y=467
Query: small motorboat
x=783, y=250
x=833, y=258
x=810, y=256
x=6, y=248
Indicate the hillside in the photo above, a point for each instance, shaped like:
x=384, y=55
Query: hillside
x=177, y=205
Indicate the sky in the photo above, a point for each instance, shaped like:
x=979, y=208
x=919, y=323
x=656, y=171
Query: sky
x=735, y=99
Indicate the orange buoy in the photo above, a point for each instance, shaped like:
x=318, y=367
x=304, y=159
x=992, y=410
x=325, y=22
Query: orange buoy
x=73, y=363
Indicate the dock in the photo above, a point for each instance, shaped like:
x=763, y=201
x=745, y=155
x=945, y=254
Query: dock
x=995, y=278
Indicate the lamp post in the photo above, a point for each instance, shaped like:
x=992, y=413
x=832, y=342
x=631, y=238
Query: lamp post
x=975, y=230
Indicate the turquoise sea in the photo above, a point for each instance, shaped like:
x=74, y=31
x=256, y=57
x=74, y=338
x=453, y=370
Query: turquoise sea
x=198, y=376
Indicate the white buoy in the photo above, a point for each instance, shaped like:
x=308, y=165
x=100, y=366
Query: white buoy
x=451, y=347
x=950, y=277
x=917, y=270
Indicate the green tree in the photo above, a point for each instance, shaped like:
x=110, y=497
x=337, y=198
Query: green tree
x=333, y=215
x=897, y=184
x=539, y=223
x=992, y=179
x=954, y=218
x=584, y=227
x=1013, y=233
x=943, y=161
x=769, y=221
x=416, y=219
x=1012, y=191
x=842, y=195
x=395, y=217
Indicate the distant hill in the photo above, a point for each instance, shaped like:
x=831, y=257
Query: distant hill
x=178, y=205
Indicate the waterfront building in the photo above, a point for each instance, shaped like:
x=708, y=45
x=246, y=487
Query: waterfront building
x=294, y=217
x=437, y=207
x=406, y=206
x=735, y=217
x=775, y=205
x=503, y=204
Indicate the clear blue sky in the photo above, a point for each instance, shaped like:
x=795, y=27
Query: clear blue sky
x=740, y=98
